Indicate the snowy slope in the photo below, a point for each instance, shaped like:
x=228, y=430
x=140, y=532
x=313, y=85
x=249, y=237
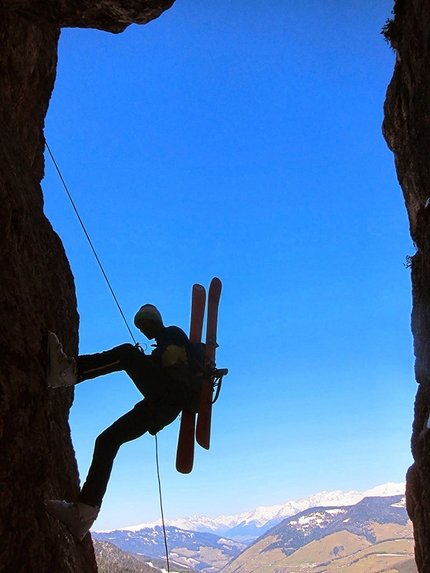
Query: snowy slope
x=340, y=531
x=251, y=524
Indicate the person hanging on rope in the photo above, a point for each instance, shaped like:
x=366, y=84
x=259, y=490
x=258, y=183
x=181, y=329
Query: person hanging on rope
x=163, y=377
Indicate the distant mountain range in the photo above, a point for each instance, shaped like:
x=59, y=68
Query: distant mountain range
x=112, y=559
x=372, y=536
x=246, y=527
x=188, y=550
x=333, y=526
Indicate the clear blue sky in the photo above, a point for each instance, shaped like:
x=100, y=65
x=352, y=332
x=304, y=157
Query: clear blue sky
x=243, y=140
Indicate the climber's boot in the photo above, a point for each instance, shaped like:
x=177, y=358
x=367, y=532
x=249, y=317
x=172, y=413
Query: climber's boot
x=78, y=517
x=62, y=369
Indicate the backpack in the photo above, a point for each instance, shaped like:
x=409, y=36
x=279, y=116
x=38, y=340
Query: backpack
x=197, y=357
x=196, y=364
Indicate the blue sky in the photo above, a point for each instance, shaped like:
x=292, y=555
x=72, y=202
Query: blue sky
x=242, y=140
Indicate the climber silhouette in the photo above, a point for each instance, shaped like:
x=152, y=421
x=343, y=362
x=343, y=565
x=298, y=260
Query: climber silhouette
x=164, y=379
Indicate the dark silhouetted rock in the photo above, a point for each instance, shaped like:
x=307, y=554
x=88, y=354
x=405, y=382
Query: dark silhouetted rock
x=407, y=132
x=37, y=291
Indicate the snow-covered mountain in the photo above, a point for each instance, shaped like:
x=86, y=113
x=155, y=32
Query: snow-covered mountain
x=189, y=551
x=374, y=535
x=247, y=526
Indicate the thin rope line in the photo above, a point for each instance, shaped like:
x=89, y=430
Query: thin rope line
x=69, y=195
x=37, y=123
x=161, y=504
x=89, y=239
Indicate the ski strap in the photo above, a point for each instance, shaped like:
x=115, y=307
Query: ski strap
x=217, y=377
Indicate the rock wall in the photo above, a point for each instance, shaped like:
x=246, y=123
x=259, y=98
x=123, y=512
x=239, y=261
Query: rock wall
x=407, y=131
x=37, y=292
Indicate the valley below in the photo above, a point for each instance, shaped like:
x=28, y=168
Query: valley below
x=373, y=535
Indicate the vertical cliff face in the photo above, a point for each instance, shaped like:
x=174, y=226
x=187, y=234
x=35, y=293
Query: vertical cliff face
x=407, y=132
x=36, y=287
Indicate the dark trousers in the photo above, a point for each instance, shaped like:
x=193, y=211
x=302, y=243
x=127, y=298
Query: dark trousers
x=162, y=404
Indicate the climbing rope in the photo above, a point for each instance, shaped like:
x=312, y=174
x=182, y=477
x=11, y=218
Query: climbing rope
x=51, y=155
x=69, y=195
x=127, y=325
x=37, y=123
x=161, y=504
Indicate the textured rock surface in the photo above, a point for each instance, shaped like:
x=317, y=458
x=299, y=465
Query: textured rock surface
x=407, y=131
x=109, y=15
x=36, y=288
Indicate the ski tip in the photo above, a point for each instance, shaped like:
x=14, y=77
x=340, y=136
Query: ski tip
x=203, y=442
x=215, y=286
x=184, y=469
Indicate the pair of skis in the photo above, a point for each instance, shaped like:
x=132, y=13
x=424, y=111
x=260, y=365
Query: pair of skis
x=211, y=377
